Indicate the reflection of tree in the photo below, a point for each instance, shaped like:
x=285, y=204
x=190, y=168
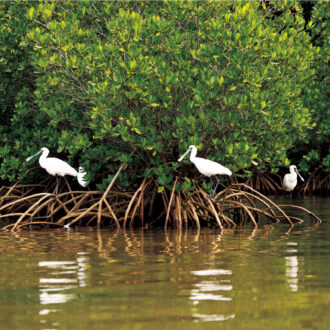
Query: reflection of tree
x=201, y=274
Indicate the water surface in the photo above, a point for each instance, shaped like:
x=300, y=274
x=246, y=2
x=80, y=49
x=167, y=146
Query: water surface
x=269, y=278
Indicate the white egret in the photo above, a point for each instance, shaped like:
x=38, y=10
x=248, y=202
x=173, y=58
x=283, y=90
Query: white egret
x=207, y=167
x=290, y=179
x=58, y=167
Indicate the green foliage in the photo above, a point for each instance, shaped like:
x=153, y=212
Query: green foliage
x=18, y=114
x=138, y=82
x=316, y=153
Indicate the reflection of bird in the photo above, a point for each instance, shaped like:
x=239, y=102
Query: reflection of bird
x=207, y=167
x=290, y=179
x=58, y=167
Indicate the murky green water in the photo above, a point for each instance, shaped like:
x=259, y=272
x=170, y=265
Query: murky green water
x=88, y=279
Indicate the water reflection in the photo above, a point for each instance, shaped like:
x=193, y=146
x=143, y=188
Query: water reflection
x=212, y=317
x=216, y=287
x=292, y=266
x=213, y=272
x=178, y=242
x=150, y=279
x=206, y=291
x=62, y=276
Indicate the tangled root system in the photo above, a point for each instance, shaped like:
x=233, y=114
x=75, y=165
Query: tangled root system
x=235, y=206
x=267, y=183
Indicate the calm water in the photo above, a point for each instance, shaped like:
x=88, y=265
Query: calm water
x=89, y=279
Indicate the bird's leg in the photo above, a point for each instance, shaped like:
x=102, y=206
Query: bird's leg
x=211, y=193
x=57, y=181
x=216, y=186
x=230, y=180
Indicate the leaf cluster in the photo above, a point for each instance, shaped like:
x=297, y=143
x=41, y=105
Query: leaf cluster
x=137, y=82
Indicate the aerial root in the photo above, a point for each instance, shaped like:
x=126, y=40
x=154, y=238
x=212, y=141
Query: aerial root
x=317, y=182
x=263, y=182
x=134, y=197
x=170, y=202
x=235, y=206
x=70, y=206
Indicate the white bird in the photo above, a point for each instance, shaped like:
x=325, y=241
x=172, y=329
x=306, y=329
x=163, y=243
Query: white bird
x=290, y=179
x=58, y=167
x=207, y=167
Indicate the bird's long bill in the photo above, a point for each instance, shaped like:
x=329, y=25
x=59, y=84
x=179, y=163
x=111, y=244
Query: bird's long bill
x=29, y=158
x=302, y=179
x=180, y=159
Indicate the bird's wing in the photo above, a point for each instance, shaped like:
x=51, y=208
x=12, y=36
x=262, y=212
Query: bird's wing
x=56, y=166
x=288, y=182
x=209, y=167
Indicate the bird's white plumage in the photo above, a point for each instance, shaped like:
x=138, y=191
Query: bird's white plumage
x=290, y=179
x=57, y=167
x=205, y=166
x=208, y=167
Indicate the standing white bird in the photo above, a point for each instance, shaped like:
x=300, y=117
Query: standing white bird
x=290, y=179
x=58, y=167
x=207, y=167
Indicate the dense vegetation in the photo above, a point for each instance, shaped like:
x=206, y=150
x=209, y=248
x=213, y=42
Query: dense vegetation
x=102, y=83
x=315, y=151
